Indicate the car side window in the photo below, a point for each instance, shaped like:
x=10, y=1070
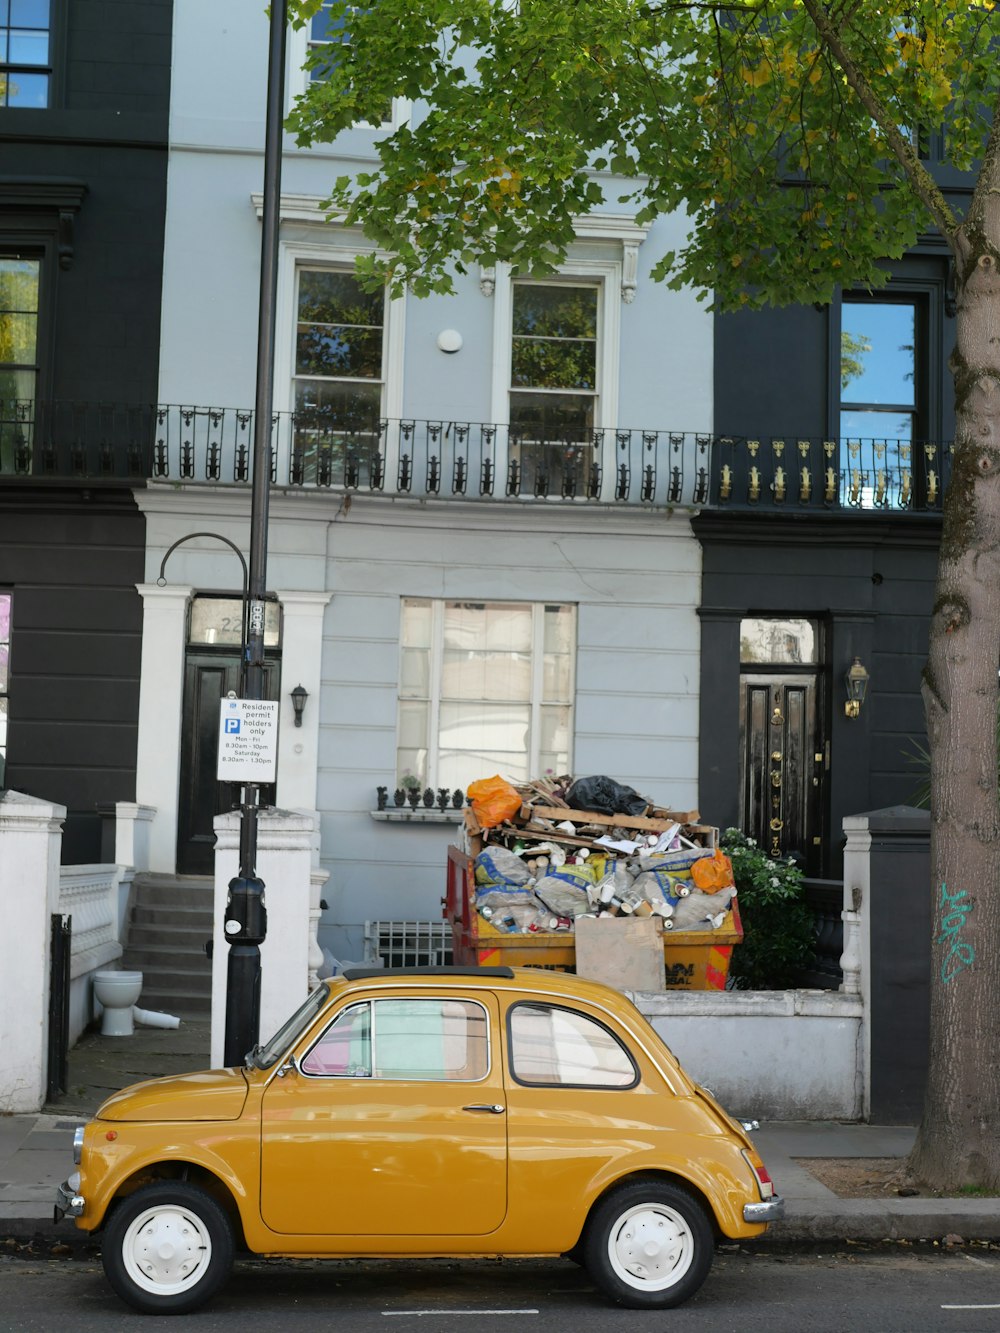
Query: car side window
x=345, y=1048
x=442, y=1040
x=435, y=1039
x=552, y=1045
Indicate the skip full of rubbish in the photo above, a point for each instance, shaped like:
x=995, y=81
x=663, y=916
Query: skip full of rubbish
x=547, y=852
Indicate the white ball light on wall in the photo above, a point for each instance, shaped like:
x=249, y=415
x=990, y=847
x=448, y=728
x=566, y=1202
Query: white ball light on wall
x=449, y=340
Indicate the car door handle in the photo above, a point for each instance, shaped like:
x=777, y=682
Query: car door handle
x=494, y=1108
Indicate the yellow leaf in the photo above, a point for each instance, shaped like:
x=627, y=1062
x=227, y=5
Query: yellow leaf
x=815, y=74
x=736, y=261
x=757, y=76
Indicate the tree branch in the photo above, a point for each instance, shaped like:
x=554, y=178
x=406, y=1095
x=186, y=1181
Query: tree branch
x=917, y=174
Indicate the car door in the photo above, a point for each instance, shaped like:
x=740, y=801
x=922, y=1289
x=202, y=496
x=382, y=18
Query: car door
x=579, y=1101
x=393, y=1124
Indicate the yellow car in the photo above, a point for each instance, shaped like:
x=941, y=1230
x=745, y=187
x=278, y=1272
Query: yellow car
x=422, y=1112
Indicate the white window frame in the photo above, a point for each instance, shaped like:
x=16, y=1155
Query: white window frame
x=297, y=81
x=336, y=254
x=563, y=280
x=605, y=253
x=606, y=276
x=436, y=666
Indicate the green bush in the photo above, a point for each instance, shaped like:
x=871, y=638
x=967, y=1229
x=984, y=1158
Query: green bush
x=779, y=933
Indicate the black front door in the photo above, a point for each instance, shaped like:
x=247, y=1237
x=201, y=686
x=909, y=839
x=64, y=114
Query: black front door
x=783, y=763
x=208, y=678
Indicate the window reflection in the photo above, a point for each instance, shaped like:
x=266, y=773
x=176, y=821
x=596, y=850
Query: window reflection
x=550, y=1045
x=24, y=53
x=777, y=641
x=338, y=377
x=878, y=355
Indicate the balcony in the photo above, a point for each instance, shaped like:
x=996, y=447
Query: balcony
x=460, y=460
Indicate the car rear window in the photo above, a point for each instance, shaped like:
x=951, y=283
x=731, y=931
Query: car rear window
x=553, y=1045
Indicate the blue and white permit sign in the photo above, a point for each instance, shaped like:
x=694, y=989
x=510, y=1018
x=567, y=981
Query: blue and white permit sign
x=248, y=740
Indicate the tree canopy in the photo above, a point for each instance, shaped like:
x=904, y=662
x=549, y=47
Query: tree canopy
x=695, y=107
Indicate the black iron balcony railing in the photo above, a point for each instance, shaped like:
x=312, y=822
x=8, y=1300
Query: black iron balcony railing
x=442, y=459
x=313, y=450
x=67, y=440
x=846, y=474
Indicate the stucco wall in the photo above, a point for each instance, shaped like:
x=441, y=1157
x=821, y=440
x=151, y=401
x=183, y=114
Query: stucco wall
x=634, y=579
x=779, y=1055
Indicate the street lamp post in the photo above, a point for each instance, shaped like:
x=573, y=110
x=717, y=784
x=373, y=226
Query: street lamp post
x=245, y=923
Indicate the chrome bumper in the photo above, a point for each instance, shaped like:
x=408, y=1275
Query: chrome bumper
x=770, y=1210
x=69, y=1203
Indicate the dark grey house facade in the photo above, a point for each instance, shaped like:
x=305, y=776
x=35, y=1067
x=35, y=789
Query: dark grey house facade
x=83, y=147
x=820, y=549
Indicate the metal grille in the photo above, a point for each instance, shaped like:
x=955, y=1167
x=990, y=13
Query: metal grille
x=408, y=943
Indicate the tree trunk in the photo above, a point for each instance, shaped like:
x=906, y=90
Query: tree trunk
x=959, y=1137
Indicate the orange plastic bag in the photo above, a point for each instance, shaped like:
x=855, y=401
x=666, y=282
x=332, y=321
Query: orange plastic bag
x=493, y=801
x=712, y=873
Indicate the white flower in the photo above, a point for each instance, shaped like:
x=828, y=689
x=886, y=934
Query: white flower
x=775, y=881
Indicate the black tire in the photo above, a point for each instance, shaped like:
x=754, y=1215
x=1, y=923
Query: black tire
x=194, y=1254
x=649, y=1245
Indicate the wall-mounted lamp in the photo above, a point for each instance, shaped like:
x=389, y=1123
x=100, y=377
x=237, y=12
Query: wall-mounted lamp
x=450, y=341
x=856, y=681
x=299, y=697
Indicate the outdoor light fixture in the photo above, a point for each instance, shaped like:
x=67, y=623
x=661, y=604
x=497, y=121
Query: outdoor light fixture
x=856, y=682
x=449, y=341
x=299, y=697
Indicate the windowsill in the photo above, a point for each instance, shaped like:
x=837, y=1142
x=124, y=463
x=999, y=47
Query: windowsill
x=405, y=815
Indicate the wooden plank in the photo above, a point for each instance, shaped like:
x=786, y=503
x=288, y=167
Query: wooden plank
x=611, y=821
x=561, y=839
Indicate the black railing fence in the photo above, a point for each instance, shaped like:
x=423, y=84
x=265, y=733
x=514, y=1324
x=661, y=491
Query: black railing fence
x=443, y=459
x=65, y=440
x=796, y=472
x=437, y=459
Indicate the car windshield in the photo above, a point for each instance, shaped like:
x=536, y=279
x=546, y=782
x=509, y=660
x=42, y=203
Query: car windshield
x=263, y=1057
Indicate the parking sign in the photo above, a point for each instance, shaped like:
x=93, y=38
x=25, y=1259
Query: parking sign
x=248, y=740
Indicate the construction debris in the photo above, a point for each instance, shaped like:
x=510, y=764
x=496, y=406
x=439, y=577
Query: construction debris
x=540, y=862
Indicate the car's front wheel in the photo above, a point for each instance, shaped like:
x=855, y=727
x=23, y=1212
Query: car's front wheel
x=167, y=1248
x=649, y=1245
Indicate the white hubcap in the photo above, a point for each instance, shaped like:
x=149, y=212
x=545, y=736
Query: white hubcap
x=166, y=1250
x=651, y=1246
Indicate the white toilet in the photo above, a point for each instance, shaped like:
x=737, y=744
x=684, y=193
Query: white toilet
x=117, y=992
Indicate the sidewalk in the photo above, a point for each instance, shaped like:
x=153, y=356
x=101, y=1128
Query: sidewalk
x=36, y=1154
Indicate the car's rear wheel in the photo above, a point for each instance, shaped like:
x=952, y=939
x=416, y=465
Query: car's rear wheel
x=167, y=1248
x=649, y=1245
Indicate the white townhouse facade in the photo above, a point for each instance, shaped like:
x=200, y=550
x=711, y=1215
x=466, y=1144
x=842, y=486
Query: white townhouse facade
x=480, y=548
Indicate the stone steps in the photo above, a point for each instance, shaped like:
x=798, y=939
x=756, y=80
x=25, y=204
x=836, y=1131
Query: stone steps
x=170, y=921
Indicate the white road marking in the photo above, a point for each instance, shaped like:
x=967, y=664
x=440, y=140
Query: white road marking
x=389, y=1313
x=973, y=1260
x=970, y=1307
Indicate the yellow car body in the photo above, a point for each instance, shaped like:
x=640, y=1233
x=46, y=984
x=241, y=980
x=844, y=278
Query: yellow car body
x=419, y=1113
